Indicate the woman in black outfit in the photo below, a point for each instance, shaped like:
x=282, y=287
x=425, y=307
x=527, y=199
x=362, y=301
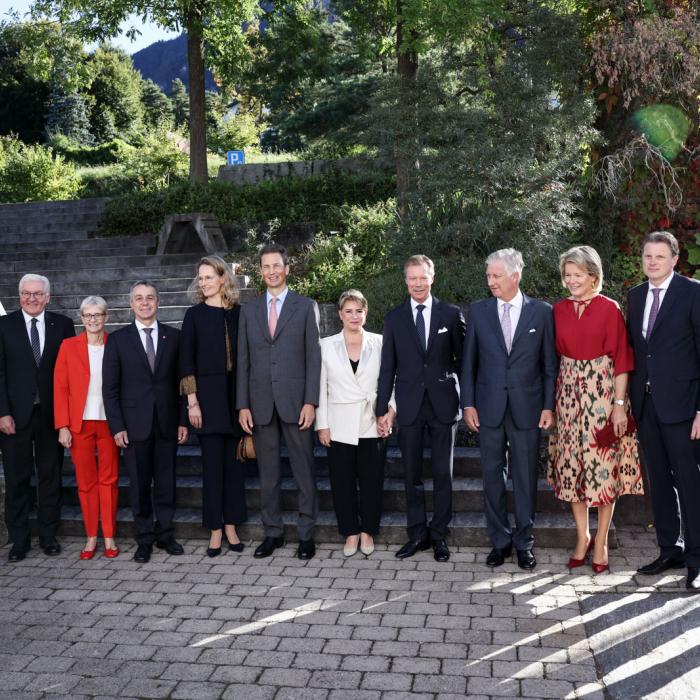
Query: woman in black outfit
x=207, y=378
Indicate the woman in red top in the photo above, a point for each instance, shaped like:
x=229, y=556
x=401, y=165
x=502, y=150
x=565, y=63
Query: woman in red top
x=595, y=359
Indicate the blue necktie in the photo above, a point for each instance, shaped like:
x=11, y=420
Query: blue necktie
x=420, y=325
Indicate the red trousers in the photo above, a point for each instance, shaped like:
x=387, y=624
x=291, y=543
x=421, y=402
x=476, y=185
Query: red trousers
x=97, y=478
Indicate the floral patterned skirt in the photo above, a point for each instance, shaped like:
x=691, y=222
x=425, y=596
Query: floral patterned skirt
x=578, y=469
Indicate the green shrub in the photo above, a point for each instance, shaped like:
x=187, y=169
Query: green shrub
x=158, y=162
x=291, y=200
x=235, y=133
x=105, y=181
x=114, y=151
x=32, y=173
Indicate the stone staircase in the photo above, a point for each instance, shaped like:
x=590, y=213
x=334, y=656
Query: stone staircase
x=58, y=239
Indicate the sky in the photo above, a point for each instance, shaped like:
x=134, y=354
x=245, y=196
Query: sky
x=149, y=32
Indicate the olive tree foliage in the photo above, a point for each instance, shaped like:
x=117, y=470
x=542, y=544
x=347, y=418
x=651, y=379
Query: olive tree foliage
x=214, y=24
x=495, y=125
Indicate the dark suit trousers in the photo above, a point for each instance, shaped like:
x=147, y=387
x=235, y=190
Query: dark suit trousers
x=672, y=465
x=151, y=466
x=500, y=448
x=301, y=457
x=350, y=466
x=442, y=438
x=35, y=445
x=223, y=488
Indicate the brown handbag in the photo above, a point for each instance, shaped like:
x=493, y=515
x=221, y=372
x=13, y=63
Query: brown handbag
x=245, y=450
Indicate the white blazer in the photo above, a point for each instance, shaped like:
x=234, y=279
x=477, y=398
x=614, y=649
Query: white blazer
x=347, y=401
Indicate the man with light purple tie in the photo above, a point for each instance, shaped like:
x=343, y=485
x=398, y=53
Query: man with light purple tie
x=509, y=370
x=663, y=319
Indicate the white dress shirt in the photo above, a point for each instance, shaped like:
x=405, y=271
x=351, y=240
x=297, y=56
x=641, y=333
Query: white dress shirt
x=94, y=406
x=142, y=335
x=650, y=300
x=40, y=326
x=428, y=303
x=279, y=301
x=516, y=306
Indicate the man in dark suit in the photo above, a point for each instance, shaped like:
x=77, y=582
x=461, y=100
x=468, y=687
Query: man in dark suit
x=663, y=318
x=508, y=377
x=146, y=416
x=421, y=356
x=277, y=387
x=29, y=343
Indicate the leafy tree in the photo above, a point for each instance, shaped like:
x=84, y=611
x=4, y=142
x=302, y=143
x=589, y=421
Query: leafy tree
x=116, y=94
x=236, y=132
x=68, y=115
x=214, y=23
x=180, y=102
x=157, y=106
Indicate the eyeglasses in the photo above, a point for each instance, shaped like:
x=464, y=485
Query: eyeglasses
x=93, y=317
x=32, y=295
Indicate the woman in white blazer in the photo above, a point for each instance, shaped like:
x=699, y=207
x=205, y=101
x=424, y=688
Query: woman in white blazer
x=347, y=425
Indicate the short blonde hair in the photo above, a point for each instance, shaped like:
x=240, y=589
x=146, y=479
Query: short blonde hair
x=352, y=295
x=230, y=294
x=586, y=259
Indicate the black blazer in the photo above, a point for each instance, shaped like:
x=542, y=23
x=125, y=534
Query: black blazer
x=203, y=355
x=132, y=393
x=670, y=359
x=525, y=379
x=411, y=370
x=20, y=378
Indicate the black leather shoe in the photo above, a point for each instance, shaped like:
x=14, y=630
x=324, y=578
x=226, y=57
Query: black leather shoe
x=143, y=553
x=526, y=559
x=498, y=555
x=238, y=547
x=18, y=552
x=268, y=546
x=663, y=563
x=411, y=547
x=441, y=551
x=213, y=552
x=50, y=546
x=693, y=580
x=306, y=549
x=171, y=546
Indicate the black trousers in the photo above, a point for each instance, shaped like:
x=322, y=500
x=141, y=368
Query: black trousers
x=442, y=438
x=223, y=482
x=351, y=466
x=672, y=465
x=35, y=446
x=151, y=466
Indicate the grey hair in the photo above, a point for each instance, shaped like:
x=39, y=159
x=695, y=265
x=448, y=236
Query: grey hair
x=512, y=260
x=36, y=278
x=586, y=259
x=142, y=283
x=93, y=301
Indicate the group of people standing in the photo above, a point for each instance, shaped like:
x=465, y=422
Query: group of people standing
x=515, y=368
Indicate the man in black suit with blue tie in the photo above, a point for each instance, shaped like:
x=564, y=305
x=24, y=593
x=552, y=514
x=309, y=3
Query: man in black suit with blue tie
x=146, y=416
x=508, y=378
x=663, y=319
x=421, y=356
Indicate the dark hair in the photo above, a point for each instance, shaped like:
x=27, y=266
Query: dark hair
x=662, y=237
x=274, y=248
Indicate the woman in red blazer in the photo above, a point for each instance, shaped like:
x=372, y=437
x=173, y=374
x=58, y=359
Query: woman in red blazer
x=80, y=419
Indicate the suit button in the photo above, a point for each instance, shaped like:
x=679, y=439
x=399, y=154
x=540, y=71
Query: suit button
x=425, y=364
x=505, y=388
x=648, y=357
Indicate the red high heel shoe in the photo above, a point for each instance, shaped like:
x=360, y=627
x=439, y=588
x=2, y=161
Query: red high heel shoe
x=112, y=553
x=575, y=563
x=599, y=568
x=86, y=554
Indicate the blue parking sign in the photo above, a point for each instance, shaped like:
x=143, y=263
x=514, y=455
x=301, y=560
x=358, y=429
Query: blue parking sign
x=235, y=157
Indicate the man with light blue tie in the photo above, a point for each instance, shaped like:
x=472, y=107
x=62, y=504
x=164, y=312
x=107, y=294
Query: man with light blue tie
x=421, y=357
x=508, y=378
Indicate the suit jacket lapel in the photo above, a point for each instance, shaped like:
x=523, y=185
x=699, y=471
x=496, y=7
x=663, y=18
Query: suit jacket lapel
x=342, y=356
x=288, y=310
x=23, y=335
x=84, y=352
x=435, y=319
x=637, y=311
x=668, y=300
x=365, y=355
x=408, y=313
x=261, y=314
x=138, y=346
x=523, y=321
x=495, y=322
x=163, y=335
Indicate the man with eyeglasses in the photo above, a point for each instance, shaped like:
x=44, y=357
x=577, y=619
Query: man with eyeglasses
x=29, y=341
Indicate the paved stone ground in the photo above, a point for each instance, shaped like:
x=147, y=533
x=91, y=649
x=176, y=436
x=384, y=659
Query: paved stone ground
x=344, y=629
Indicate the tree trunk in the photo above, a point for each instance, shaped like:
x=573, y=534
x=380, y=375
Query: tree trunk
x=198, y=127
x=407, y=68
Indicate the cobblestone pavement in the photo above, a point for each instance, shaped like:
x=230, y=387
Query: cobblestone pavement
x=355, y=629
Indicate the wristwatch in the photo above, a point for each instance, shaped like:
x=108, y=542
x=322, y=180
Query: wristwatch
x=619, y=402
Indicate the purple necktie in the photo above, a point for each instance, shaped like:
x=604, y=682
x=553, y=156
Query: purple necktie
x=654, y=311
x=505, y=326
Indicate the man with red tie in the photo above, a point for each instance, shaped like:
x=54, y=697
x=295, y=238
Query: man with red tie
x=29, y=343
x=663, y=319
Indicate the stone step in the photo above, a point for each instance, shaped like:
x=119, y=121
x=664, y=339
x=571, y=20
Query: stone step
x=60, y=263
x=50, y=223
x=67, y=255
x=467, y=528
x=54, y=207
x=63, y=287
x=118, y=301
x=44, y=238
x=93, y=277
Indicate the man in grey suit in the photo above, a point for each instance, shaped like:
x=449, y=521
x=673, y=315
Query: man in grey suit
x=277, y=390
x=509, y=369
